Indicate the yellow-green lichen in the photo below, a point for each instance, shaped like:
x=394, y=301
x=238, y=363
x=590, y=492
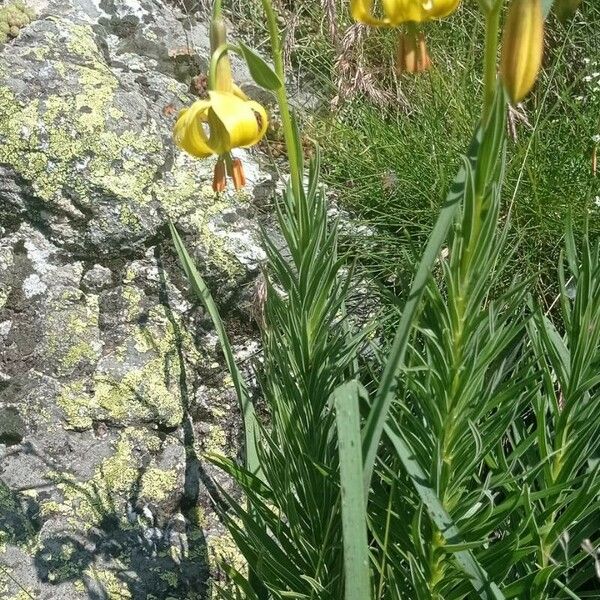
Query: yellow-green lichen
x=49, y=508
x=74, y=141
x=88, y=503
x=223, y=549
x=129, y=218
x=171, y=578
x=148, y=393
x=26, y=594
x=80, y=42
x=112, y=587
x=157, y=484
x=197, y=516
x=73, y=131
x=216, y=440
x=140, y=395
x=74, y=338
x=180, y=195
x=75, y=403
x=79, y=352
x=118, y=472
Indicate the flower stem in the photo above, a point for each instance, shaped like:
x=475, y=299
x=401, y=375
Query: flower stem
x=492, y=26
x=217, y=9
x=284, y=107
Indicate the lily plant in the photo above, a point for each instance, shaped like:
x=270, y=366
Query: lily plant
x=458, y=459
x=227, y=119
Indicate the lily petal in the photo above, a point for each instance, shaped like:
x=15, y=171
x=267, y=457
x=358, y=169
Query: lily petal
x=189, y=131
x=263, y=123
x=232, y=122
x=438, y=9
x=362, y=11
x=402, y=11
x=239, y=92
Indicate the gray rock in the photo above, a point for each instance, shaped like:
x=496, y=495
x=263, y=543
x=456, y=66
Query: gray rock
x=98, y=278
x=111, y=379
x=12, y=426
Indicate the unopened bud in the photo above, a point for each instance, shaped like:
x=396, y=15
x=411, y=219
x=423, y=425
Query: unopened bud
x=522, y=48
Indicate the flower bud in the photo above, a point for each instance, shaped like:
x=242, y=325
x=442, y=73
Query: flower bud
x=522, y=48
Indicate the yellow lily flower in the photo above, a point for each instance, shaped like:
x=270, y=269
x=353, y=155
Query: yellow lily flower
x=219, y=124
x=396, y=12
x=228, y=119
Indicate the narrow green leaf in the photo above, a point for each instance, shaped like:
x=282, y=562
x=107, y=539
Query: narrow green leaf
x=261, y=72
x=354, y=518
x=246, y=406
x=485, y=588
x=240, y=581
x=385, y=393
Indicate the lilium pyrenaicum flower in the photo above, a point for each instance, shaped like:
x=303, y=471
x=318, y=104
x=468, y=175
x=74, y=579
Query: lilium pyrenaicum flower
x=396, y=12
x=218, y=125
x=228, y=119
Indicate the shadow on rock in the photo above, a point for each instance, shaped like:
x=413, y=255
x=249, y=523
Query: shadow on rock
x=129, y=555
x=19, y=516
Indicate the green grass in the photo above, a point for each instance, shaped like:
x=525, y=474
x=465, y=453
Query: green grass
x=393, y=169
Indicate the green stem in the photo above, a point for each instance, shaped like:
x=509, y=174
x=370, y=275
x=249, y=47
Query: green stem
x=284, y=107
x=217, y=9
x=471, y=230
x=215, y=57
x=492, y=26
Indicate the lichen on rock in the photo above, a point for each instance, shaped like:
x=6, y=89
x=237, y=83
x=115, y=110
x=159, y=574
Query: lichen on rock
x=109, y=368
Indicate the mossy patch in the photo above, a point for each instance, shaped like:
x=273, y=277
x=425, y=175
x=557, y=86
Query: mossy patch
x=13, y=17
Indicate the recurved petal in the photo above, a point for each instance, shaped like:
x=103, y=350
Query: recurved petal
x=263, y=121
x=232, y=122
x=362, y=11
x=438, y=9
x=189, y=133
x=402, y=11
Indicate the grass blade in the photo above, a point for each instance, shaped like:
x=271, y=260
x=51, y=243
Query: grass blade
x=354, y=518
x=203, y=294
